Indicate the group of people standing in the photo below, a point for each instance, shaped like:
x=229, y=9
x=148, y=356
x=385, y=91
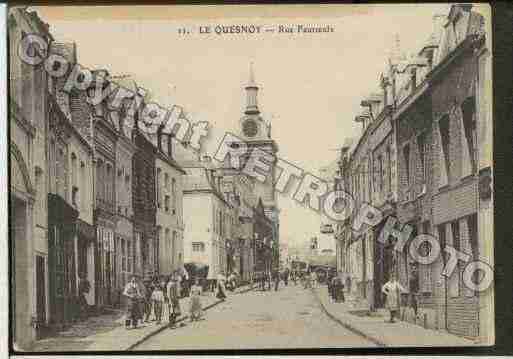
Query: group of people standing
x=143, y=298
x=268, y=279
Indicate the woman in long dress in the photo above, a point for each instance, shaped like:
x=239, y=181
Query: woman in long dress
x=195, y=292
x=393, y=289
x=221, y=290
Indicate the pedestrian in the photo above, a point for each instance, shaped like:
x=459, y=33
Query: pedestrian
x=414, y=287
x=173, y=295
x=157, y=298
x=393, y=289
x=221, y=289
x=147, y=300
x=314, y=279
x=83, y=288
x=338, y=289
x=261, y=281
x=286, y=274
x=331, y=286
x=133, y=293
x=276, y=279
x=231, y=282
x=196, y=310
x=211, y=281
x=184, y=283
x=307, y=280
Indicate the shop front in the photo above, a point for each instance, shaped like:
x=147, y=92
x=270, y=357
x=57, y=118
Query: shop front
x=61, y=261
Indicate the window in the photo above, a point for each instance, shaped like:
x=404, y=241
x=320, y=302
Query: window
x=166, y=181
x=123, y=255
x=421, y=143
x=389, y=170
x=173, y=193
x=369, y=179
x=406, y=156
x=130, y=260
x=469, y=124
x=166, y=203
x=380, y=173
x=443, y=125
x=83, y=179
x=198, y=246
x=74, y=172
x=159, y=188
x=74, y=195
x=107, y=184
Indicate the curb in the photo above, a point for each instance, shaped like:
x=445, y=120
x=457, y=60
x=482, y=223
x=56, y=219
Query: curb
x=164, y=327
x=348, y=326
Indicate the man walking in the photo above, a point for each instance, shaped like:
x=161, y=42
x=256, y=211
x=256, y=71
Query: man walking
x=276, y=279
x=133, y=293
x=173, y=295
x=286, y=274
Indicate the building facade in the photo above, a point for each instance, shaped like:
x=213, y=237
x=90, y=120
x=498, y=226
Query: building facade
x=145, y=205
x=170, y=226
x=206, y=212
x=29, y=184
x=425, y=161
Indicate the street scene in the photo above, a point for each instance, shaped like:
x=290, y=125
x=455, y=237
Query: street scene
x=256, y=181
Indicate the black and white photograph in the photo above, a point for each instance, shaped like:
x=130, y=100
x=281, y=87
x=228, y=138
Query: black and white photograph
x=252, y=177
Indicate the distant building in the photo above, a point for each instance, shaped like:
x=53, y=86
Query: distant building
x=206, y=214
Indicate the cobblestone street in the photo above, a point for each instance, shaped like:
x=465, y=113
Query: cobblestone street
x=289, y=318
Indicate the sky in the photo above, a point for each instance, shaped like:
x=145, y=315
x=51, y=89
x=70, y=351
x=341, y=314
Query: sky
x=311, y=84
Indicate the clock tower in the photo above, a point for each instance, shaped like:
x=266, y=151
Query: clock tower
x=256, y=133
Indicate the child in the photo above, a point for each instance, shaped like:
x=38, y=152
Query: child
x=158, y=300
x=196, y=301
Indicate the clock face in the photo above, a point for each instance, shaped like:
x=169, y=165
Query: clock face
x=250, y=128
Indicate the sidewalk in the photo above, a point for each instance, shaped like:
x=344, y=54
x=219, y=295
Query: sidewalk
x=375, y=329
x=107, y=332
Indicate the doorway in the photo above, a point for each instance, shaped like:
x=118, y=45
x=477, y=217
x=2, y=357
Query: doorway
x=40, y=295
x=20, y=301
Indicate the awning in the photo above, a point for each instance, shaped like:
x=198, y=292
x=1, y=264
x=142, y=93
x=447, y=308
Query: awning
x=59, y=211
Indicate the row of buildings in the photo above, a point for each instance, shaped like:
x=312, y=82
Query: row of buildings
x=95, y=199
x=425, y=158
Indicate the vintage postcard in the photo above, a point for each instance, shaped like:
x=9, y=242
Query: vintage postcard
x=250, y=177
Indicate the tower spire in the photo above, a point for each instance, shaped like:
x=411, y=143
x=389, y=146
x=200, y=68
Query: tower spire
x=251, y=94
